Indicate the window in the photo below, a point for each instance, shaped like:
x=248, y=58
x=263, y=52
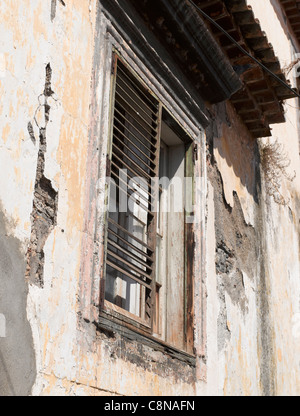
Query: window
x=148, y=278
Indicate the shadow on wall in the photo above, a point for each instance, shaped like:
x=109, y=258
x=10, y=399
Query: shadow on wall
x=17, y=357
x=229, y=137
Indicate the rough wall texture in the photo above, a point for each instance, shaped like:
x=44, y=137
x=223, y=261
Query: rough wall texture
x=281, y=225
x=48, y=51
x=43, y=216
x=47, y=47
x=240, y=255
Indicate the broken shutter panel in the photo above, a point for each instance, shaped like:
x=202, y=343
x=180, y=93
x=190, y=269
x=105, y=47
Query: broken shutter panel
x=135, y=149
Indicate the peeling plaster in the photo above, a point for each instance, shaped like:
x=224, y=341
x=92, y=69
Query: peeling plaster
x=43, y=217
x=53, y=8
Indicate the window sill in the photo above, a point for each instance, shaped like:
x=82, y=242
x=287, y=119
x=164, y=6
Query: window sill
x=116, y=311
x=110, y=325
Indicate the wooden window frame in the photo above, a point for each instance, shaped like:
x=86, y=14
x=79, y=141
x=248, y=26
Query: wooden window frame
x=117, y=315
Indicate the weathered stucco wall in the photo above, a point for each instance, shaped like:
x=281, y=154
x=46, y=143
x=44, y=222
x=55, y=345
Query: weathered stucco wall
x=235, y=255
x=258, y=307
x=281, y=223
x=49, y=54
x=47, y=51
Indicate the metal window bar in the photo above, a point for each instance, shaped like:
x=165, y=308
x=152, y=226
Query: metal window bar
x=135, y=198
x=140, y=160
x=148, y=140
x=136, y=170
x=140, y=242
x=126, y=273
x=132, y=247
x=135, y=145
x=138, y=120
x=136, y=124
x=136, y=258
x=147, y=98
x=134, y=103
x=137, y=190
x=146, y=190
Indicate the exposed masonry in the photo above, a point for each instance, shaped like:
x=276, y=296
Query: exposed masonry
x=44, y=212
x=240, y=247
x=235, y=251
x=146, y=358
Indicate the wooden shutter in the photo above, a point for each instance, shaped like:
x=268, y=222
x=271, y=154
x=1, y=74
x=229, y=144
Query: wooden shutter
x=135, y=148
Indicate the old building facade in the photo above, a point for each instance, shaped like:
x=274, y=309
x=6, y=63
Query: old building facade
x=97, y=299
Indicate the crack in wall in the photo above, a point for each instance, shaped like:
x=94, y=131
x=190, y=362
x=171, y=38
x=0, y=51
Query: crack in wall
x=44, y=212
x=54, y=6
x=31, y=132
